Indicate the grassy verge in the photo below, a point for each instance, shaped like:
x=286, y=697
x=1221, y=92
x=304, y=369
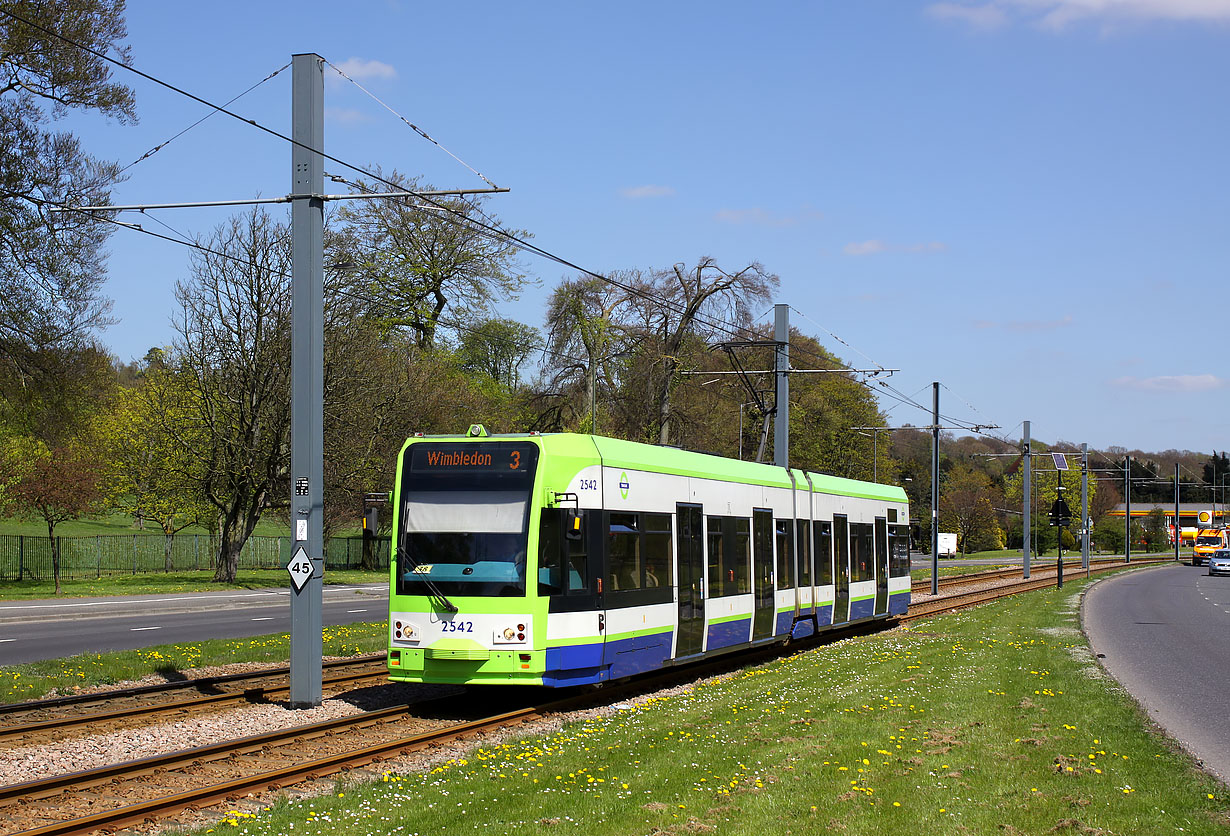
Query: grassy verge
x=65, y=676
x=991, y=721
x=153, y=583
x=117, y=524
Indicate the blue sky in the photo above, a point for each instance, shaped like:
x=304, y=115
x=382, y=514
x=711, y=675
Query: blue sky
x=1026, y=200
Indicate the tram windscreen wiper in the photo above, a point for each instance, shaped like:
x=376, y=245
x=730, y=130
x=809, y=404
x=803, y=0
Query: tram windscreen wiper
x=436, y=594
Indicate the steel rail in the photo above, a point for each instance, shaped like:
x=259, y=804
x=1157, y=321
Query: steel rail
x=187, y=684
x=14, y=734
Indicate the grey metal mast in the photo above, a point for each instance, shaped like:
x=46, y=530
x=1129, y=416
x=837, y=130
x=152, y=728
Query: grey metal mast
x=1127, y=509
x=1085, y=506
x=1177, y=535
x=1027, y=522
x=307, y=374
x=935, y=488
x=781, y=419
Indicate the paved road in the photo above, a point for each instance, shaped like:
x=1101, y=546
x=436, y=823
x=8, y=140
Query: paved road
x=34, y=630
x=1163, y=635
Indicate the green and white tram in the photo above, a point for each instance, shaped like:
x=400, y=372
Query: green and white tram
x=564, y=559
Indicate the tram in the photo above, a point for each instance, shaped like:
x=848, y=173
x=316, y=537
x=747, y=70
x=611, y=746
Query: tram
x=562, y=559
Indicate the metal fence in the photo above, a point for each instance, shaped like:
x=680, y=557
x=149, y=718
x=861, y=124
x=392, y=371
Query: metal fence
x=29, y=558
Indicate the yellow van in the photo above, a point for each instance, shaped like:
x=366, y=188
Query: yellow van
x=1208, y=540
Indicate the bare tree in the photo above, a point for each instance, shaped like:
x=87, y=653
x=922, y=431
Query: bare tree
x=694, y=301
x=586, y=330
x=232, y=354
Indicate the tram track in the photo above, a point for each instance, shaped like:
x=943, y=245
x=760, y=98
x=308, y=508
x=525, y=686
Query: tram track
x=923, y=587
x=137, y=792
x=28, y=723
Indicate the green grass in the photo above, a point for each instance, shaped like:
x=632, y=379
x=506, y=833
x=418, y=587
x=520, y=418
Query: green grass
x=996, y=720
x=117, y=524
x=112, y=524
x=65, y=676
x=159, y=583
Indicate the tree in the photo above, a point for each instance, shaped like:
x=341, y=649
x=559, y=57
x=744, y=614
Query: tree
x=965, y=505
x=498, y=348
x=150, y=472
x=52, y=264
x=55, y=485
x=587, y=329
x=680, y=303
x=232, y=362
x=413, y=260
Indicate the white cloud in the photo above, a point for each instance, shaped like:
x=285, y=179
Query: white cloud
x=1173, y=383
x=359, y=69
x=875, y=246
x=758, y=216
x=647, y=191
x=1058, y=14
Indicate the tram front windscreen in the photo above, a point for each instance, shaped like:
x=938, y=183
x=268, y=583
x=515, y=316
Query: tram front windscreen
x=463, y=525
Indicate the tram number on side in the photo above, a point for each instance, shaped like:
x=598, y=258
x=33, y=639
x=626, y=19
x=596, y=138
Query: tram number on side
x=457, y=627
x=589, y=484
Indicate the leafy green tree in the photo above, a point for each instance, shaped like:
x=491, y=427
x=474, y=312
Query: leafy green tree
x=414, y=260
x=52, y=484
x=965, y=506
x=52, y=264
x=1108, y=535
x=499, y=348
x=151, y=472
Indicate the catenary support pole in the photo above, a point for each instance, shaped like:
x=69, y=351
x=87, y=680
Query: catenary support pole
x=935, y=488
x=1085, y=508
x=1027, y=521
x=1177, y=530
x=1127, y=509
x=781, y=419
x=307, y=374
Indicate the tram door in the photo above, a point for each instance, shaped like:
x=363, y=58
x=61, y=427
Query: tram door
x=881, y=565
x=691, y=576
x=762, y=572
x=841, y=555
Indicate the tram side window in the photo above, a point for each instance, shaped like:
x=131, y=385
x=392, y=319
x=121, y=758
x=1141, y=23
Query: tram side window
x=899, y=555
x=862, y=556
x=823, y=551
x=561, y=561
x=624, y=550
x=717, y=571
x=740, y=557
x=804, y=541
x=785, y=553
x=658, y=563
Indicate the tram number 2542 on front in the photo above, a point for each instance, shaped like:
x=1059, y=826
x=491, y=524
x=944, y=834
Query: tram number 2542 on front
x=457, y=627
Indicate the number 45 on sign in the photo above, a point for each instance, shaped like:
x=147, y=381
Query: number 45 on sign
x=300, y=568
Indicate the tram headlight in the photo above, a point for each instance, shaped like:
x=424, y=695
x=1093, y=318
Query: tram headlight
x=406, y=631
x=511, y=633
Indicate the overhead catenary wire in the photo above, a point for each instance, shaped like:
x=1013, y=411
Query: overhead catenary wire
x=151, y=152
x=491, y=227
x=408, y=123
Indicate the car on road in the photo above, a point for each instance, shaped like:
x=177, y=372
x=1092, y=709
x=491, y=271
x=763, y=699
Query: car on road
x=1219, y=562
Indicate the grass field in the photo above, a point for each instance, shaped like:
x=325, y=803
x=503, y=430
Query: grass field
x=992, y=721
